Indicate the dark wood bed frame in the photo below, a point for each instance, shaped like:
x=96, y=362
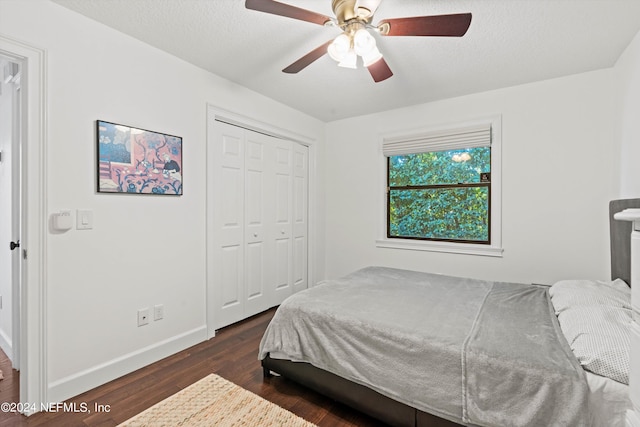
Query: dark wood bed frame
x=395, y=413
x=352, y=394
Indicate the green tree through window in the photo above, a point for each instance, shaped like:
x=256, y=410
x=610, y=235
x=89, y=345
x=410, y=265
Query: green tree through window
x=440, y=195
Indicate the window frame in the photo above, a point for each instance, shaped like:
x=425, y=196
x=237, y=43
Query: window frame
x=491, y=248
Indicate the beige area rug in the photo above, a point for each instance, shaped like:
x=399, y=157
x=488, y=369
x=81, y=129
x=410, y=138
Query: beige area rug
x=214, y=401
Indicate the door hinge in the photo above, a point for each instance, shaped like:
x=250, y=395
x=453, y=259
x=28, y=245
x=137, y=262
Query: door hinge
x=24, y=254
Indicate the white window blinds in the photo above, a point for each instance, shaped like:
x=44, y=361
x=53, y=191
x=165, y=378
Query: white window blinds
x=443, y=140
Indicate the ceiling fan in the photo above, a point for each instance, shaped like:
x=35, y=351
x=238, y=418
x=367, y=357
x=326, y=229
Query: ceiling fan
x=354, y=18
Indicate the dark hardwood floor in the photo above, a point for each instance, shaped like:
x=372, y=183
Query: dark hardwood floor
x=232, y=354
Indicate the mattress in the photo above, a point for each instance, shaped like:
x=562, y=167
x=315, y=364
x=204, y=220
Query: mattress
x=471, y=351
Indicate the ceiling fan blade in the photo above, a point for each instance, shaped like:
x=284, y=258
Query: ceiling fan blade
x=455, y=25
x=282, y=9
x=306, y=60
x=380, y=70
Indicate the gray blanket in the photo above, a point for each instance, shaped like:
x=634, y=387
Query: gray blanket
x=475, y=352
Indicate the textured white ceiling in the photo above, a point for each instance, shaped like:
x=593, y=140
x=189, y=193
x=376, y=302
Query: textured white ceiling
x=509, y=42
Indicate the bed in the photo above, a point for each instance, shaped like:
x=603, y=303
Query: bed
x=419, y=349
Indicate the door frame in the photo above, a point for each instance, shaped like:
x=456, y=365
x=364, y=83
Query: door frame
x=215, y=113
x=33, y=307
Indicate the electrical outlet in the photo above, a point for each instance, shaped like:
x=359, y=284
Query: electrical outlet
x=143, y=316
x=158, y=311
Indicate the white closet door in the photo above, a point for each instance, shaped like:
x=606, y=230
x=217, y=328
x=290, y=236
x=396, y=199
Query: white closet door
x=300, y=216
x=258, y=212
x=228, y=233
x=282, y=221
x=258, y=231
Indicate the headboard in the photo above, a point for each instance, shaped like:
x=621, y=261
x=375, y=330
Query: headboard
x=620, y=237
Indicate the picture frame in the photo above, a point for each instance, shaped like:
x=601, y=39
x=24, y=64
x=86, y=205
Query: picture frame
x=137, y=161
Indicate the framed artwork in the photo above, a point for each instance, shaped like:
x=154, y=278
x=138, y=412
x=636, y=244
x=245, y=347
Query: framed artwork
x=138, y=161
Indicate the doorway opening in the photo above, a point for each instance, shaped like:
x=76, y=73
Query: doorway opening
x=10, y=212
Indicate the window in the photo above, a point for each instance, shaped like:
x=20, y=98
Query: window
x=440, y=195
x=442, y=189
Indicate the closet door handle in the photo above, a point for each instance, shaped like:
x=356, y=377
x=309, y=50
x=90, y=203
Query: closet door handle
x=255, y=234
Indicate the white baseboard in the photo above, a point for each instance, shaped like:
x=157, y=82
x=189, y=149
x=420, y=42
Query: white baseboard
x=88, y=379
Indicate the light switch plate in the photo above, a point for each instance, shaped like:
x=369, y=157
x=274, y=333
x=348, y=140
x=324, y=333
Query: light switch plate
x=84, y=219
x=158, y=312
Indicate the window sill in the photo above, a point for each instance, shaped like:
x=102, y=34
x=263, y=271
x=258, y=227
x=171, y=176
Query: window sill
x=456, y=248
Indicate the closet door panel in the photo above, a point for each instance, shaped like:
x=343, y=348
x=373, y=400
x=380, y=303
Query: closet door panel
x=255, y=245
x=282, y=199
x=254, y=256
x=283, y=183
x=299, y=267
x=229, y=226
x=282, y=263
x=258, y=185
x=300, y=216
x=232, y=178
x=230, y=207
x=281, y=228
x=254, y=200
x=231, y=273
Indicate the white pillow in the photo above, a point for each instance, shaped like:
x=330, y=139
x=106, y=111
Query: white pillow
x=600, y=337
x=572, y=293
x=595, y=318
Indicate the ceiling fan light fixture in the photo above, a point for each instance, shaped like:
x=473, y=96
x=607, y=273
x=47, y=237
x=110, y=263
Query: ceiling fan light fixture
x=339, y=48
x=350, y=60
x=363, y=42
x=371, y=57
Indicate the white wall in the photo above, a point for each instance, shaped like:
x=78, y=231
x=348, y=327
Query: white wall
x=559, y=172
x=627, y=71
x=143, y=250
